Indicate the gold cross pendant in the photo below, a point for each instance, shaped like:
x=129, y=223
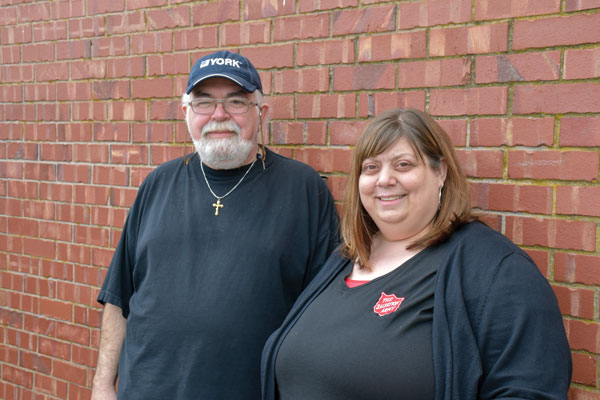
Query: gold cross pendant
x=217, y=205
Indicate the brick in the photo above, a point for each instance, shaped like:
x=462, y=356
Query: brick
x=53, y=387
x=88, y=111
x=168, y=64
x=106, y=7
x=577, y=268
x=22, y=151
x=345, y=133
x=433, y=12
x=551, y=164
x=394, y=46
x=51, y=72
x=585, y=369
x=326, y=159
x=161, y=154
x=95, y=69
x=91, y=195
x=479, y=100
x=122, y=197
x=490, y=38
x=152, y=88
x=557, y=31
x=216, y=12
x=73, y=49
x=175, y=17
x=17, y=375
x=73, y=173
x=575, y=302
x=122, y=154
x=315, y=5
x=325, y=52
x=86, y=27
x=8, y=16
x=16, y=34
x=39, y=248
x=301, y=80
x=57, y=192
x=138, y=174
x=165, y=109
x=582, y=63
x=22, y=190
x=34, y=12
x=125, y=67
x=253, y=32
x=559, y=98
x=55, y=309
x=38, y=52
x=580, y=131
x=326, y=106
x=78, y=294
x=10, y=55
x=490, y=9
x=73, y=213
x=432, y=73
x=541, y=260
x=12, y=93
x=254, y=9
x=110, y=47
x=117, y=132
x=56, y=152
x=56, y=231
x=17, y=73
x=127, y=111
x=73, y=253
x=578, y=200
x=582, y=394
x=512, y=131
x=301, y=27
x=191, y=39
x=35, y=362
x=507, y=197
x=125, y=23
x=561, y=234
x=481, y=163
x=40, y=172
x=270, y=57
x=371, y=104
x=577, y=5
x=370, y=19
x=135, y=4
x=38, y=209
x=518, y=67
x=84, y=356
x=376, y=76
x=53, y=112
x=112, y=175
x=153, y=133
x=68, y=9
x=583, y=335
x=157, y=42
x=282, y=107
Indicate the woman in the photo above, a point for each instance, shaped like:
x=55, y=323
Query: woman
x=422, y=301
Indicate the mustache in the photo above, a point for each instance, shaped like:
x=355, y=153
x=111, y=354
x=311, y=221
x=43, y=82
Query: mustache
x=221, y=126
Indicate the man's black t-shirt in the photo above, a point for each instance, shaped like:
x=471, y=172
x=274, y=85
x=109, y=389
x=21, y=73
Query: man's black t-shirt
x=202, y=292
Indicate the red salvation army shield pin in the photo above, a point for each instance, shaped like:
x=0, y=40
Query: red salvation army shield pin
x=387, y=304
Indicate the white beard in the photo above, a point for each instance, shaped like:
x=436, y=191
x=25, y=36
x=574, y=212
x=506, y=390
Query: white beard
x=224, y=153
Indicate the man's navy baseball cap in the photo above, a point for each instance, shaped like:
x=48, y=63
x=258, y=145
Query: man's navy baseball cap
x=225, y=64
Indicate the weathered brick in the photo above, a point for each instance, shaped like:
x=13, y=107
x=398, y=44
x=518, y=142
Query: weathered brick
x=580, y=131
x=481, y=163
x=433, y=12
x=169, y=18
x=512, y=131
x=479, y=100
x=202, y=37
x=551, y=164
x=371, y=19
x=561, y=234
x=491, y=9
x=432, y=73
x=216, y=12
x=326, y=106
x=507, y=197
x=578, y=200
x=253, y=32
x=376, y=76
x=278, y=56
x=490, y=38
x=325, y=52
x=557, y=98
x=518, y=67
x=582, y=63
x=371, y=104
x=556, y=31
x=301, y=27
x=394, y=46
x=301, y=80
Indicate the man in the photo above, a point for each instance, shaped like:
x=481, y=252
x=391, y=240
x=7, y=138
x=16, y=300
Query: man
x=215, y=249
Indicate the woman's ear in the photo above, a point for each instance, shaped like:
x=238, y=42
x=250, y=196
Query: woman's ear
x=442, y=171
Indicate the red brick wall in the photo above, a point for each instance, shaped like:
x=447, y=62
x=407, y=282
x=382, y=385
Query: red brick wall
x=89, y=104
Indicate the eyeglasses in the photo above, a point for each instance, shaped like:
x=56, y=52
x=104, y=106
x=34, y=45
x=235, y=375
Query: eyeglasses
x=233, y=105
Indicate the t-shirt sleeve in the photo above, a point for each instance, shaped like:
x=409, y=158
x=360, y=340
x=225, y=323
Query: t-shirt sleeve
x=328, y=236
x=523, y=345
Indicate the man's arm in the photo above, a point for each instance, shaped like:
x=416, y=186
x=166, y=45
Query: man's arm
x=111, y=341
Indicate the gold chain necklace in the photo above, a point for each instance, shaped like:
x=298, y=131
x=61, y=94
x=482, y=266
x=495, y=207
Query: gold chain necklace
x=218, y=204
